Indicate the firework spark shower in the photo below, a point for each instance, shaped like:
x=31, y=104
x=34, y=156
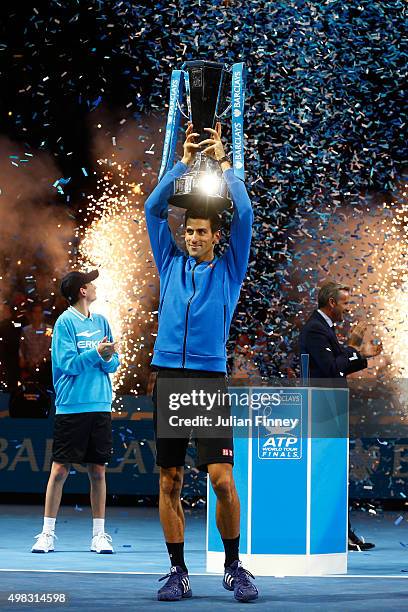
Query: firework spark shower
x=115, y=242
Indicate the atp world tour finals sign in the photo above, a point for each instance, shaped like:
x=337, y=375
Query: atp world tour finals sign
x=204, y=93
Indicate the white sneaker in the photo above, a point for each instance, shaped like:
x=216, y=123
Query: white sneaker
x=101, y=543
x=45, y=542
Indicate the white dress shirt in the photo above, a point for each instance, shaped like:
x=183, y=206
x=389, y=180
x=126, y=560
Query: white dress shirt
x=326, y=318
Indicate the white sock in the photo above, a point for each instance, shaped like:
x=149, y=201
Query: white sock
x=98, y=526
x=49, y=525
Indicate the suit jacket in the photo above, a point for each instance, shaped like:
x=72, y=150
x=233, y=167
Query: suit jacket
x=327, y=357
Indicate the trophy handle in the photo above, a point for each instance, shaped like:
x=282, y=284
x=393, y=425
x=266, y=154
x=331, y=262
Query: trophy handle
x=223, y=91
x=181, y=111
x=224, y=112
x=173, y=117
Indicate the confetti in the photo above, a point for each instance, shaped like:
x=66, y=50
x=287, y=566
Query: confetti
x=326, y=133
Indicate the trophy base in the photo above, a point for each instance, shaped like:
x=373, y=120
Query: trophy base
x=215, y=203
x=201, y=186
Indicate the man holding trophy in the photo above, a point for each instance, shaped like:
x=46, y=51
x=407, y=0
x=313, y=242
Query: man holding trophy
x=198, y=295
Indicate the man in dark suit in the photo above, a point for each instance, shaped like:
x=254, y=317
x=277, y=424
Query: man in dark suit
x=328, y=359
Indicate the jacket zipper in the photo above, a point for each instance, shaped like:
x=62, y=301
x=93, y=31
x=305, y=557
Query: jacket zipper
x=225, y=320
x=187, y=311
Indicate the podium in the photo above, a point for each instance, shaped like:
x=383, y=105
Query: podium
x=292, y=481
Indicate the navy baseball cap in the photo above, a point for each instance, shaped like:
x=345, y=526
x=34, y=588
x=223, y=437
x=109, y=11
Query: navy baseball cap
x=73, y=281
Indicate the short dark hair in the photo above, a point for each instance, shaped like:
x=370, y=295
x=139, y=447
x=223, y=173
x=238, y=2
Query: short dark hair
x=330, y=289
x=202, y=212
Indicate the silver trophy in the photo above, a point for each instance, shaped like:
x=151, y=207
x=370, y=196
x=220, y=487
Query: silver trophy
x=202, y=185
x=209, y=93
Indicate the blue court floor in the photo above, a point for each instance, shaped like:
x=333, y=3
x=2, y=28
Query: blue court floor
x=376, y=580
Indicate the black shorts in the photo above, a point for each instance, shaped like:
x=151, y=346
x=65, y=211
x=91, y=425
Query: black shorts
x=84, y=437
x=171, y=452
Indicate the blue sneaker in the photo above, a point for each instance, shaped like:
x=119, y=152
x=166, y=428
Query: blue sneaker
x=177, y=587
x=236, y=579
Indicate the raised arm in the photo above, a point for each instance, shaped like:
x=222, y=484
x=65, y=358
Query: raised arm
x=237, y=254
x=156, y=211
x=156, y=206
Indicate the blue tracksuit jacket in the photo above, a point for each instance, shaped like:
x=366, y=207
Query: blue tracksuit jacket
x=197, y=300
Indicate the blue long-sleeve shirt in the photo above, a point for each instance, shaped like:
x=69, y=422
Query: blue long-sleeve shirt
x=197, y=300
x=80, y=375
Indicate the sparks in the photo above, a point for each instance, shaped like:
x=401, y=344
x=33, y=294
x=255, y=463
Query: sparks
x=127, y=283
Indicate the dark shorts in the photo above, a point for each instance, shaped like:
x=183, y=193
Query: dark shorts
x=84, y=437
x=171, y=452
